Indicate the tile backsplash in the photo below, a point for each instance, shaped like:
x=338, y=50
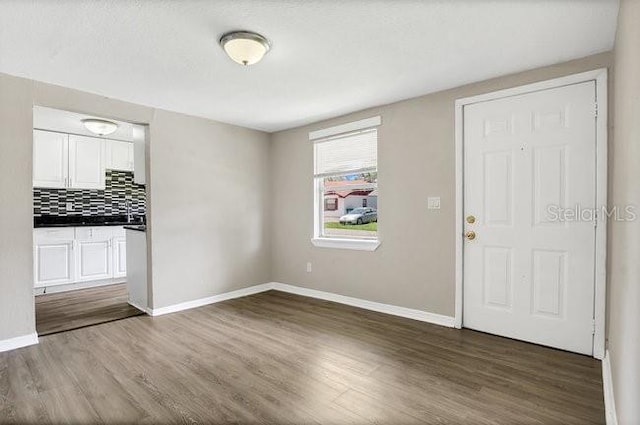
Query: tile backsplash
x=119, y=191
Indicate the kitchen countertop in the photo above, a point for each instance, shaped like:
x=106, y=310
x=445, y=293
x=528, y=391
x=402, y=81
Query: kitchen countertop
x=139, y=228
x=87, y=221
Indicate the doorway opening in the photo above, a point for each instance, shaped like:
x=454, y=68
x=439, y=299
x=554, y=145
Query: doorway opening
x=89, y=198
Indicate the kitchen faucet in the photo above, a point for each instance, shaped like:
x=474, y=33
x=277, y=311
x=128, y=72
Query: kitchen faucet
x=129, y=211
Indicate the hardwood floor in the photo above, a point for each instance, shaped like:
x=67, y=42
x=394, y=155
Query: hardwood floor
x=83, y=307
x=279, y=358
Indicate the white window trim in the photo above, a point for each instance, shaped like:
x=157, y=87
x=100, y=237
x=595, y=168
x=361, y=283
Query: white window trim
x=357, y=244
x=339, y=243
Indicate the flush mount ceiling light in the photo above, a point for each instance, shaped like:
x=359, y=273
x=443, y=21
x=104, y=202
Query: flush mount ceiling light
x=245, y=47
x=100, y=127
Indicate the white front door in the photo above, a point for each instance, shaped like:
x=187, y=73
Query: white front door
x=528, y=274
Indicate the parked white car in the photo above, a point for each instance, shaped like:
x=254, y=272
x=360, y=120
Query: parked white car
x=360, y=216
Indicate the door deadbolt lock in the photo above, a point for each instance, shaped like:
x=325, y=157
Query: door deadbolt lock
x=471, y=235
x=471, y=219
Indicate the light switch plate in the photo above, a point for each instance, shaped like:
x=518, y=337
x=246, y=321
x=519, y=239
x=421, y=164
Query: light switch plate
x=433, y=202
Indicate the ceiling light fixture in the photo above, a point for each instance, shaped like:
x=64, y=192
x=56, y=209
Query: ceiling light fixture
x=245, y=47
x=100, y=127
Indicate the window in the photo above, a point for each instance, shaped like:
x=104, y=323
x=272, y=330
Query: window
x=330, y=204
x=346, y=185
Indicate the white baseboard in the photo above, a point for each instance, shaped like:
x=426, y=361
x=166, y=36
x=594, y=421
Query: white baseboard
x=143, y=309
x=210, y=300
x=55, y=289
x=409, y=313
x=18, y=342
x=607, y=384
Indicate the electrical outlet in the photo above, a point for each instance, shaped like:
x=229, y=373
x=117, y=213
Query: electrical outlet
x=309, y=267
x=69, y=206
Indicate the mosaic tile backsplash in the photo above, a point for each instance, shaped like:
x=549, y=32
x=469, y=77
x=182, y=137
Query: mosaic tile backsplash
x=120, y=190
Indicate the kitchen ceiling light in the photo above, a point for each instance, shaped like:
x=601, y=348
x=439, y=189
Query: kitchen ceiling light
x=244, y=47
x=100, y=127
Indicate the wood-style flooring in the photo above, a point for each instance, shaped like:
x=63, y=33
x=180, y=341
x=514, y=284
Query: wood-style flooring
x=64, y=311
x=277, y=358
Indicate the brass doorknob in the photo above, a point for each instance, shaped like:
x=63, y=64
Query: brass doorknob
x=471, y=235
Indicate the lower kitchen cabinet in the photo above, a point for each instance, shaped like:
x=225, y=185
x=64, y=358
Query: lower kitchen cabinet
x=119, y=253
x=80, y=254
x=54, y=257
x=94, y=253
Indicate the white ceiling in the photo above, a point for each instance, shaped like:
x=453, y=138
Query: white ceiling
x=329, y=57
x=71, y=122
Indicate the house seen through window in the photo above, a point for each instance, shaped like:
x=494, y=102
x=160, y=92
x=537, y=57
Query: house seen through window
x=346, y=180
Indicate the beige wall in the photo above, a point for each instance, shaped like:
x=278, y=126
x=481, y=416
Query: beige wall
x=16, y=215
x=624, y=247
x=207, y=206
x=209, y=191
x=414, y=267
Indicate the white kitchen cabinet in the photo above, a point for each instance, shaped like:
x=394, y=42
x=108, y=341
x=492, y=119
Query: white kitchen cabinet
x=119, y=257
x=119, y=246
x=86, y=162
x=54, y=257
x=50, y=159
x=64, y=161
x=119, y=155
x=79, y=254
x=94, y=253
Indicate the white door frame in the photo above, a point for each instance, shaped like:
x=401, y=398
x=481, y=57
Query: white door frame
x=600, y=78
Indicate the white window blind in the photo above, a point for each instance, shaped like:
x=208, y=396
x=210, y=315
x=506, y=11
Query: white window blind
x=350, y=153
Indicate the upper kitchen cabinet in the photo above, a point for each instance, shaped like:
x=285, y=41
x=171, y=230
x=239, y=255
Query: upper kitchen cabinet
x=86, y=162
x=50, y=159
x=119, y=155
x=67, y=161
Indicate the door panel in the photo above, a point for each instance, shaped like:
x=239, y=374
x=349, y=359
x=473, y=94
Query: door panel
x=526, y=275
x=498, y=188
x=549, y=281
x=549, y=181
x=498, y=277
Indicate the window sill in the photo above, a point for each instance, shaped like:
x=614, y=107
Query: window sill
x=357, y=244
